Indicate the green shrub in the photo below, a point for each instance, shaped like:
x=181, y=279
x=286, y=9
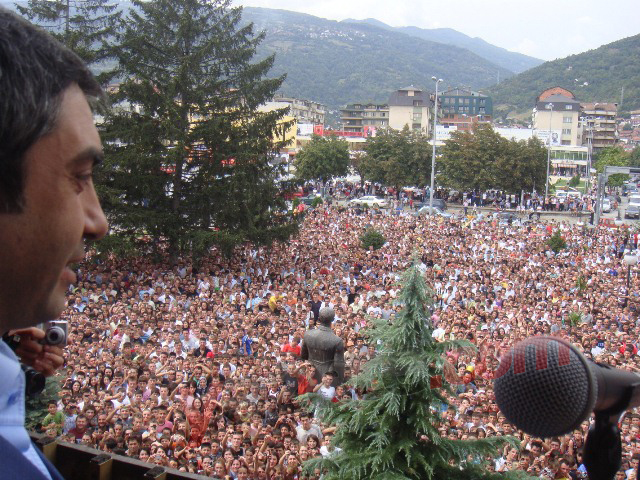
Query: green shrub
x=296, y=202
x=575, y=181
x=372, y=238
x=556, y=242
x=316, y=201
x=574, y=319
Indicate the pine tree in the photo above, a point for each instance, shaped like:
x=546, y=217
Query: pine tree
x=392, y=432
x=85, y=26
x=188, y=153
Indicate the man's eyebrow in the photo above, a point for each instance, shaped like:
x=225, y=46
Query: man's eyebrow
x=95, y=155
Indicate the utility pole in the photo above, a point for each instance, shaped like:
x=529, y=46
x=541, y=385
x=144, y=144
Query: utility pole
x=433, y=140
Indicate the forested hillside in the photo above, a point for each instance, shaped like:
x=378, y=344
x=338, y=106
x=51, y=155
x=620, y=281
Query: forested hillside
x=598, y=75
x=338, y=63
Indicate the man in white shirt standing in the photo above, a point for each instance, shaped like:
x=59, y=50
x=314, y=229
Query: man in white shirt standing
x=48, y=207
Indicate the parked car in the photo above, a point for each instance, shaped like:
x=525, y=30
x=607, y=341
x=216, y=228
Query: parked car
x=436, y=211
x=509, y=218
x=634, y=200
x=632, y=211
x=308, y=200
x=606, y=205
x=370, y=201
x=437, y=202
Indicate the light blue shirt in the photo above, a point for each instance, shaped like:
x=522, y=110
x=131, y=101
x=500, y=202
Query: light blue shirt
x=12, y=408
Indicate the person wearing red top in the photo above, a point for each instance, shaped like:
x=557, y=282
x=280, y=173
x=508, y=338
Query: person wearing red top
x=307, y=380
x=293, y=346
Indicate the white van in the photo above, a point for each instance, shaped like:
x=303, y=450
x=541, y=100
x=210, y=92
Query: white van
x=634, y=200
x=563, y=194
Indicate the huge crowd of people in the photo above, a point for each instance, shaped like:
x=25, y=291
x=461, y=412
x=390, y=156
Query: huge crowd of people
x=196, y=365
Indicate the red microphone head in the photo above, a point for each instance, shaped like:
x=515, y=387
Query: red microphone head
x=545, y=387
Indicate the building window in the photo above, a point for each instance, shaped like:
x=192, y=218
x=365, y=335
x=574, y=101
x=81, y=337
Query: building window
x=567, y=119
x=417, y=117
x=566, y=131
x=568, y=107
x=566, y=142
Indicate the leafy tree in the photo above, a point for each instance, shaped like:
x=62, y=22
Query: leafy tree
x=634, y=157
x=483, y=159
x=614, y=156
x=323, y=158
x=521, y=166
x=85, y=26
x=468, y=159
x=392, y=431
x=189, y=155
x=357, y=162
x=397, y=158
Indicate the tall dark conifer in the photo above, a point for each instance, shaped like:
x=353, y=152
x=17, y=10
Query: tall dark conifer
x=392, y=432
x=87, y=27
x=188, y=151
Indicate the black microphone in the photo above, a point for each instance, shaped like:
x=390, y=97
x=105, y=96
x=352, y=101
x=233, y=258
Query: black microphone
x=546, y=387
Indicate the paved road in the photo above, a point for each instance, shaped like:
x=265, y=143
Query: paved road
x=549, y=216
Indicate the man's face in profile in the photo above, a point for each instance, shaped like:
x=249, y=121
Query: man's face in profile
x=40, y=245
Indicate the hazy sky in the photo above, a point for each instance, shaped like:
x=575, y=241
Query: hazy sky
x=545, y=29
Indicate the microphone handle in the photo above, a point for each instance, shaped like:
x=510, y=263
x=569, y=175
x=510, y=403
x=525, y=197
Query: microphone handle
x=618, y=390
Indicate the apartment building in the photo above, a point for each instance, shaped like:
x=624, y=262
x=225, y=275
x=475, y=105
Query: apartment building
x=599, y=125
x=464, y=108
x=358, y=117
x=556, y=116
x=410, y=106
x=304, y=111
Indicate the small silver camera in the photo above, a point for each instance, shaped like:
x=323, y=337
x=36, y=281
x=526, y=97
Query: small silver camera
x=55, y=333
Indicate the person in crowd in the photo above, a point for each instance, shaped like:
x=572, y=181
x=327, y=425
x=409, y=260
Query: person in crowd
x=180, y=381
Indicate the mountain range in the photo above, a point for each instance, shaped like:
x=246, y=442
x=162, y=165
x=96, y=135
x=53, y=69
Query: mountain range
x=337, y=63
x=360, y=61
x=512, y=61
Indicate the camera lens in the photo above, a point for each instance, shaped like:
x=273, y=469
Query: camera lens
x=55, y=336
x=34, y=381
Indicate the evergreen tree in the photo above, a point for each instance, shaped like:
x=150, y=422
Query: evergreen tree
x=392, y=432
x=189, y=155
x=85, y=26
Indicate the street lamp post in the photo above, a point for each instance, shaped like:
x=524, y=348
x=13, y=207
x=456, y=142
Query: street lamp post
x=630, y=260
x=433, y=153
x=590, y=122
x=548, y=106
